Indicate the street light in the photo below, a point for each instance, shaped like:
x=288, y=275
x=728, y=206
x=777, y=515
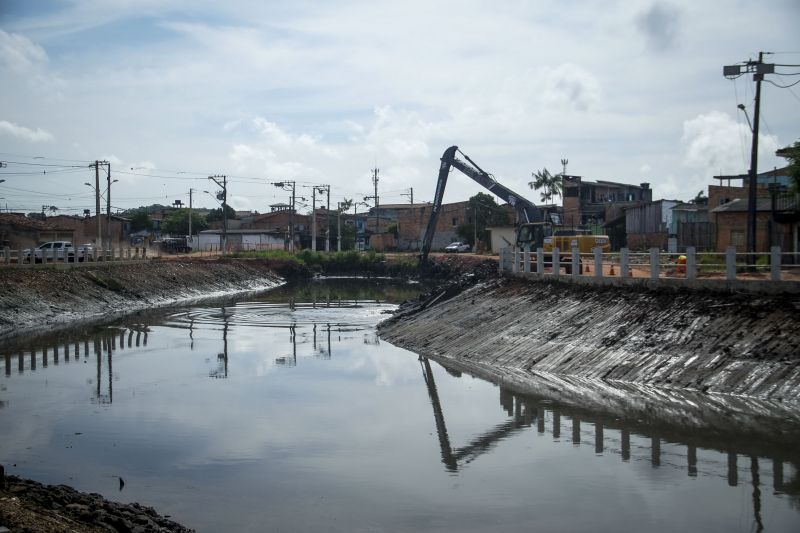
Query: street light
x=744, y=109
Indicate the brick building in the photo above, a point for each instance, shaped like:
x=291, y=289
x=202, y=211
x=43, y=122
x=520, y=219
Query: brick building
x=19, y=232
x=593, y=203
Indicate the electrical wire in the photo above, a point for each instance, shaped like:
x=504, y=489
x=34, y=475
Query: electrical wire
x=782, y=86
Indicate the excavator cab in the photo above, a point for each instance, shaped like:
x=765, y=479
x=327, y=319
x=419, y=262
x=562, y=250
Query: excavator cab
x=531, y=236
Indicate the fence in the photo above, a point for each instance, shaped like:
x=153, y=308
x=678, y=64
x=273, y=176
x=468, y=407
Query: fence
x=29, y=257
x=655, y=264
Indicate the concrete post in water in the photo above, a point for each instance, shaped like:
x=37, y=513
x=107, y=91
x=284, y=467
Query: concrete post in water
x=556, y=262
x=598, y=437
x=655, y=451
x=540, y=261
x=576, y=430
x=598, y=262
x=691, y=263
x=527, y=261
x=730, y=263
x=691, y=455
x=777, y=474
x=556, y=423
x=540, y=420
x=775, y=263
x=655, y=259
x=576, y=261
x=733, y=469
x=624, y=263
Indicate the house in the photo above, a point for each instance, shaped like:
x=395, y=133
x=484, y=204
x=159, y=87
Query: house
x=648, y=225
x=19, y=232
x=593, y=203
x=691, y=226
x=85, y=229
x=242, y=239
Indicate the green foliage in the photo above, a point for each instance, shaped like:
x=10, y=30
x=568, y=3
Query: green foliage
x=140, y=219
x=551, y=185
x=177, y=223
x=793, y=156
x=216, y=214
x=485, y=213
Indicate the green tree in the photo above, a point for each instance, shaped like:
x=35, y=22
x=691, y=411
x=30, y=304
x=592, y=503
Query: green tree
x=140, y=220
x=792, y=154
x=484, y=212
x=177, y=223
x=216, y=214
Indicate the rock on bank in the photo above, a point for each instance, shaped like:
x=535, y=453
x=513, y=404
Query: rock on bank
x=693, y=340
x=33, y=300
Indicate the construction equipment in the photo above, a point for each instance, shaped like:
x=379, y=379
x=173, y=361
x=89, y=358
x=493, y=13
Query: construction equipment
x=535, y=230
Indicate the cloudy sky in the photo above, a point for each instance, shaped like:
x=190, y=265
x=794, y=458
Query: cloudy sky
x=171, y=91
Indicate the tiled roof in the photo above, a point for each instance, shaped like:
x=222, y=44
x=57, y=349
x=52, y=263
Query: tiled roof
x=29, y=223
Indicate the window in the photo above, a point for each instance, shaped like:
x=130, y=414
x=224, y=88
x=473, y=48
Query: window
x=455, y=222
x=737, y=237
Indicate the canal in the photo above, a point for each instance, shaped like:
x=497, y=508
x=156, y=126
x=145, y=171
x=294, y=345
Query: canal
x=286, y=412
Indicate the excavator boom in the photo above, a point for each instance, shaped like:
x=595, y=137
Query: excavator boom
x=527, y=210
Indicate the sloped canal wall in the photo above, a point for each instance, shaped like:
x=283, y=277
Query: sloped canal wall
x=702, y=341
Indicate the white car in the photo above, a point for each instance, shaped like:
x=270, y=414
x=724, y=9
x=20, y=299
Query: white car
x=53, y=250
x=456, y=247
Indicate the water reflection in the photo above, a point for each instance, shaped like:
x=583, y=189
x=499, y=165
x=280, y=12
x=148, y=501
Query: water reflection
x=526, y=411
x=251, y=404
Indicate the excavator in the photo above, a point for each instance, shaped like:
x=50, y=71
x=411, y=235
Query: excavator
x=533, y=232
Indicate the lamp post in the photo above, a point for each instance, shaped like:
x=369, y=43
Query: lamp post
x=224, y=186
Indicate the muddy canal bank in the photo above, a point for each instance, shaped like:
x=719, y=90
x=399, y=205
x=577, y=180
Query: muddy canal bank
x=698, y=341
x=38, y=300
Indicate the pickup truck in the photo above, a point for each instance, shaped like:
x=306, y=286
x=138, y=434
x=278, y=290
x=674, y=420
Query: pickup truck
x=58, y=251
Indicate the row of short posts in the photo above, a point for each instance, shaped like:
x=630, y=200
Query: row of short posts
x=521, y=262
x=51, y=256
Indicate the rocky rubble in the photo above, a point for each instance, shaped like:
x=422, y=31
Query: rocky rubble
x=30, y=507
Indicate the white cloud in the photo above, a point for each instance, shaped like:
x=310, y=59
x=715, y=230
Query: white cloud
x=26, y=134
x=19, y=53
x=717, y=144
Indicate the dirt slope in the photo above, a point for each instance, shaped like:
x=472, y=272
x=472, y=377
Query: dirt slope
x=690, y=340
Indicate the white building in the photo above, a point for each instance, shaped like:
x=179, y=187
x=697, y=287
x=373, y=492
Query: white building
x=242, y=239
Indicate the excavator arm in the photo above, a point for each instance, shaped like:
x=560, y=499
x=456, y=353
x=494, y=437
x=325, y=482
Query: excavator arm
x=527, y=210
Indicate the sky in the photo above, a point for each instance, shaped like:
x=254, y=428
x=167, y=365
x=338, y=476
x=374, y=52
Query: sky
x=321, y=93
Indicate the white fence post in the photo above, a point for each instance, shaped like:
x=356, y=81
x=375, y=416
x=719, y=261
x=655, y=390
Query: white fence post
x=775, y=263
x=655, y=260
x=598, y=262
x=624, y=263
x=527, y=261
x=515, y=264
x=691, y=263
x=730, y=263
x=7, y=254
x=556, y=261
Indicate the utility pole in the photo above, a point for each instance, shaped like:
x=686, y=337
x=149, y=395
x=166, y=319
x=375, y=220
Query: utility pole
x=328, y=221
x=409, y=194
x=314, y=218
x=283, y=185
x=215, y=178
x=97, y=203
x=375, y=196
x=759, y=68
x=108, y=205
x=191, y=239
x=338, y=226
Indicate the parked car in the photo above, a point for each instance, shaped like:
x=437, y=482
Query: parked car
x=456, y=247
x=52, y=250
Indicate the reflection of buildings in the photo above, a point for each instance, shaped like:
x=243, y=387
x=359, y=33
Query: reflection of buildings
x=608, y=434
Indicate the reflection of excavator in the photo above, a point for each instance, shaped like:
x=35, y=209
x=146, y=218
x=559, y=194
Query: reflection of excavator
x=534, y=231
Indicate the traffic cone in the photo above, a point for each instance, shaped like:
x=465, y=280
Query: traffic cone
x=612, y=270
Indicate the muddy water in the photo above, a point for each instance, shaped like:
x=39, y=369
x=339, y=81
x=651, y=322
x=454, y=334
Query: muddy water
x=287, y=413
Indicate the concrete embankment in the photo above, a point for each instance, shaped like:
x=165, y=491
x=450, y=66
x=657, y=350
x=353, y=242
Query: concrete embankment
x=38, y=300
x=512, y=330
